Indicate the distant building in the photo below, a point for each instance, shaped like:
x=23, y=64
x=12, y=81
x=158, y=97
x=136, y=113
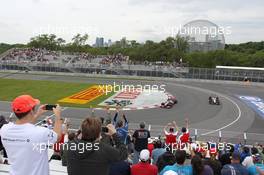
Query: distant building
x=203, y=35
x=99, y=42
x=123, y=42
x=209, y=44
x=109, y=43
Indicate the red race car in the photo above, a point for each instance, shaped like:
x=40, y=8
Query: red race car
x=169, y=103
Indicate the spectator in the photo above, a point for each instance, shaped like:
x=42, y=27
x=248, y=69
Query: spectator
x=158, y=151
x=91, y=155
x=171, y=135
x=130, y=144
x=225, y=156
x=140, y=138
x=121, y=127
x=235, y=168
x=261, y=151
x=105, y=121
x=253, y=163
x=210, y=160
x=165, y=159
x=144, y=167
x=108, y=118
x=199, y=168
x=63, y=151
x=244, y=153
x=64, y=132
x=184, y=137
x=179, y=167
x=248, y=160
x=150, y=146
x=25, y=143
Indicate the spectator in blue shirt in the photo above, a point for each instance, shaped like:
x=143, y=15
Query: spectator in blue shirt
x=165, y=159
x=158, y=151
x=235, y=168
x=121, y=127
x=178, y=168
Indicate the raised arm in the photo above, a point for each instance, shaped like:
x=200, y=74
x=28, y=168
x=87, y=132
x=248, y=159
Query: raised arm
x=175, y=126
x=187, y=123
x=115, y=117
x=125, y=121
x=58, y=122
x=67, y=124
x=41, y=110
x=165, y=128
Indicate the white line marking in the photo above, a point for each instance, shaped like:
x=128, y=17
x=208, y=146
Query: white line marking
x=238, y=117
x=219, y=94
x=149, y=127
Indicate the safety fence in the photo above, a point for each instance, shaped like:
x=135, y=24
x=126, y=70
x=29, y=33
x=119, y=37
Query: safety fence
x=142, y=70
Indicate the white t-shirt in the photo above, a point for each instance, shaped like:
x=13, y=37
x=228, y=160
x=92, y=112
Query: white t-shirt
x=248, y=161
x=27, y=148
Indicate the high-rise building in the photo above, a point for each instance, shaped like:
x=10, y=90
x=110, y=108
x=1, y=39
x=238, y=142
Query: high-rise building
x=109, y=42
x=123, y=42
x=99, y=42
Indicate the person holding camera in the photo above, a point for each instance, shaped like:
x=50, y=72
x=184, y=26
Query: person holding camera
x=26, y=144
x=89, y=154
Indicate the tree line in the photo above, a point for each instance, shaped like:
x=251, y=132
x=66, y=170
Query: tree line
x=168, y=50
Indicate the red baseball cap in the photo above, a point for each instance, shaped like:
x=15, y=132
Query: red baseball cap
x=24, y=103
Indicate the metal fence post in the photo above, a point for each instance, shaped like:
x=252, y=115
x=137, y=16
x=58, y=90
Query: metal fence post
x=245, y=138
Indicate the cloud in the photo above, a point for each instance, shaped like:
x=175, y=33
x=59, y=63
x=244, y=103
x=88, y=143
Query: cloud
x=135, y=19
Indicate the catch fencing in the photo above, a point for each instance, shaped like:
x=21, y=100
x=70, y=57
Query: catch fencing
x=142, y=70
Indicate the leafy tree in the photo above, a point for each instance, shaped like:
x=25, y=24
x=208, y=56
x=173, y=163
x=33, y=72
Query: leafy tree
x=181, y=43
x=168, y=50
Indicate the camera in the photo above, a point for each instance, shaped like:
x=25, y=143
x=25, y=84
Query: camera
x=50, y=107
x=104, y=129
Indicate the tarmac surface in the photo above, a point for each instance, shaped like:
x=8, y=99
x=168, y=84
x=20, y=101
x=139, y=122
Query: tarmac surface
x=233, y=117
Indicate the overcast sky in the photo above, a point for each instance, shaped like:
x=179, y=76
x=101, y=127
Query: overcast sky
x=134, y=19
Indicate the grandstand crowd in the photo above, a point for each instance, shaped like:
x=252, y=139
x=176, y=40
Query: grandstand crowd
x=28, y=55
x=37, y=55
x=46, y=57
x=106, y=146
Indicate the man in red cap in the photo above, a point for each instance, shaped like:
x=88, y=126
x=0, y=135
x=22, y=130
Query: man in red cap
x=26, y=144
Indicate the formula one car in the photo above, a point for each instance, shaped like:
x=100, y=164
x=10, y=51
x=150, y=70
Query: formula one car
x=214, y=100
x=169, y=103
x=173, y=98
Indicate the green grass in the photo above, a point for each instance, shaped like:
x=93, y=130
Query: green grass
x=49, y=92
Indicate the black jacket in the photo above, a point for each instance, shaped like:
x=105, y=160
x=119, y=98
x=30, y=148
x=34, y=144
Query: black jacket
x=96, y=158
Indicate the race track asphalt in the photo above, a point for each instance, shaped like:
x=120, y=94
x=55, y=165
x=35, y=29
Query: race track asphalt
x=233, y=117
